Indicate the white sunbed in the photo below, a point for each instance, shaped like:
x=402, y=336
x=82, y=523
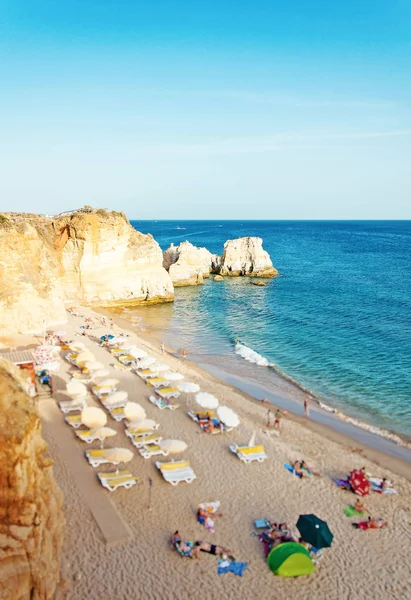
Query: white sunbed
x=99, y=457
x=217, y=429
x=139, y=441
x=85, y=436
x=116, y=412
x=151, y=450
x=146, y=373
x=72, y=405
x=161, y=404
x=71, y=358
x=175, y=472
x=249, y=454
x=74, y=420
x=169, y=392
x=112, y=481
x=103, y=391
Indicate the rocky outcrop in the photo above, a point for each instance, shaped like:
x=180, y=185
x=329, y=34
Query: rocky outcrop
x=187, y=264
x=94, y=257
x=31, y=516
x=246, y=256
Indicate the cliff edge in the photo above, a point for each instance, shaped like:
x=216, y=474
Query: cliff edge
x=31, y=515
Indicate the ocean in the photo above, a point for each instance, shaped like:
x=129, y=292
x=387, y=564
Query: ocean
x=337, y=321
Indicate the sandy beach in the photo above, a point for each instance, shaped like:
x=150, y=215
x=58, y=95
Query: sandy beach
x=358, y=565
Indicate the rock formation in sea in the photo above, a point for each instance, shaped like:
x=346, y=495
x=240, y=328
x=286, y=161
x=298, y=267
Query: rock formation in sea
x=91, y=256
x=187, y=264
x=31, y=514
x=246, y=256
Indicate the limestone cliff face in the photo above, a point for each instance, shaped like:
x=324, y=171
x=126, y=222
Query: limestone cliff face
x=246, y=256
x=93, y=257
x=31, y=516
x=187, y=264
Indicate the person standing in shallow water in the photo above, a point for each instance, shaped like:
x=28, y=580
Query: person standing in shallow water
x=306, y=407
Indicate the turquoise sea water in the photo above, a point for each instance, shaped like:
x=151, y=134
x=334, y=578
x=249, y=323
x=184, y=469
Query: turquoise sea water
x=337, y=320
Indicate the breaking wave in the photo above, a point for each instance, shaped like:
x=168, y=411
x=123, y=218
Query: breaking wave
x=250, y=355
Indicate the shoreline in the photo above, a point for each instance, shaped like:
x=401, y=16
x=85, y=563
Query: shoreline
x=377, y=449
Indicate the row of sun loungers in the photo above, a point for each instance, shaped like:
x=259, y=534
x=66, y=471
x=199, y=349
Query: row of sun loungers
x=161, y=404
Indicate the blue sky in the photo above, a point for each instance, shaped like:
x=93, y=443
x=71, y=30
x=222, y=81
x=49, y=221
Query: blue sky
x=207, y=110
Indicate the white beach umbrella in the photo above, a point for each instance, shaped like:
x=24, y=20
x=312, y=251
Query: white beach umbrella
x=77, y=346
x=173, y=446
x=206, y=400
x=251, y=443
x=93, y=417
x=126, y=345
x=101, y=373
x=188, y=388
x=101, y=433
x=143, y=424
x=173, y=376
x=116, y=397
x=76, y=388
x=134, y=412
x=108, y=382
x=118, y=455
x=161, y=367
x=146, y=362
x=137, y=353
x=84, y=357
x=228, y=416
x=94, y=365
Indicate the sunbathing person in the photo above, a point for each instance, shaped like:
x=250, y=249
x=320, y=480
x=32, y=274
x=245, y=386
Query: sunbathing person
x=309, y=470
x=184, y=548
x=371, y=524
x=298, y=470
x=212, y=549
x=360, y=507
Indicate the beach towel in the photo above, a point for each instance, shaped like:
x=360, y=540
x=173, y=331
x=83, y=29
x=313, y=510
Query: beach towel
x=344, y=484
x=350, y=511
x=376, y=486
x=226, y=566
x=290, y=468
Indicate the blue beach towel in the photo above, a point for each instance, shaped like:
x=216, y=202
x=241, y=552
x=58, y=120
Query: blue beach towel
x=290, y=468
x=226, y=566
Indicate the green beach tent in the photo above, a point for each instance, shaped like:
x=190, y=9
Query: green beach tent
x=290, y=560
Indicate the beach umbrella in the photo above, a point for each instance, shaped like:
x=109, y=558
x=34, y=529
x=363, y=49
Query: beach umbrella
x=228, y=416
x=146, y=362
x=108, y=382
x=206, y=400
x=251, y=443
x=76, y=388
x=136, y=352
x=94, y=365
x=110, y=337
x=359, y=483
x=127, y=345
x=101, y=373
x=188, y=387
x=314, y=531
x=77, y=346
x=172, y=375
x=93, y=417
x=134, y=412
x=84, y=356
x=118, y=455
x=116, y=397
x=161, y=367
x=173, y=446
x=148, y=424
x=101, y=433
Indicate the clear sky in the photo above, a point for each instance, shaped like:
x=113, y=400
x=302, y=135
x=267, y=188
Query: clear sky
x=212, y=109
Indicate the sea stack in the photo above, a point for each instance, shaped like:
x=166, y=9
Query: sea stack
x=246, y=256
x=187, y=264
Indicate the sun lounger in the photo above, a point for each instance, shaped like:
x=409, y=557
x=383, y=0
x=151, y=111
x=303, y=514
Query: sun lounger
x=151, y=450
x=219, y=427
x=175, y=472
x=102, y=391
x=72, y=405
x=144, y=430
x=99, y=457
x=83, y=377
x=127, y=359
x=158, y=382
x=112, y=481
x=71, y=357
x=74, y=421
x=161, y=404
x=169, y=392
x=85, y=436
x=146, y=373
x=206, y=413
x=139, y=441
x=118, y=351
x=249, y=454
x=117, y=412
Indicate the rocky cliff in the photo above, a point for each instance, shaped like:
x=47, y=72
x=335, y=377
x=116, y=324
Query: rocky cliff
x=246, y=256
x=31, y=516
x=89, y=256
x=187, y=264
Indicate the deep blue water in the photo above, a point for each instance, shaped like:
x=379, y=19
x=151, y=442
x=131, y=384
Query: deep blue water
x=338, y=320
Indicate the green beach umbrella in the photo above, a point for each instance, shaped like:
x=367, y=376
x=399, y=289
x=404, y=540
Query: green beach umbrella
x=314, y=531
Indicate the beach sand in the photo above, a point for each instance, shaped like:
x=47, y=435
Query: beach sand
x=372, y=564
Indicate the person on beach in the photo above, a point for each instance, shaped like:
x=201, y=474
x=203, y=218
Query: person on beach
x=308, y=469
x=277, y=422
x=213, y=549
x=306, y=407
x=298, y=470
x=371, y=524
x=268, y=418
x=184, y=353
x=162, y=348
x=360, y=507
